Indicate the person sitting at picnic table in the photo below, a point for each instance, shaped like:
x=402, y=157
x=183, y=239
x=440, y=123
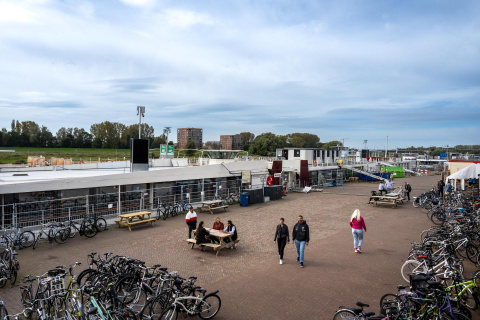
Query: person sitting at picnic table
x=202, y=234
x=217, y=225
x=382, y=188
x=389, y=186
x=230, y=228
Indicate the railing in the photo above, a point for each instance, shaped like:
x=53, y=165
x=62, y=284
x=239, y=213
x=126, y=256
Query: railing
x=110, y=205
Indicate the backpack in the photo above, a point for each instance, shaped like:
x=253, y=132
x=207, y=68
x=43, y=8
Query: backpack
x=409, y=188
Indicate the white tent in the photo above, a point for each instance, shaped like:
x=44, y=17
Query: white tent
x=472, y=171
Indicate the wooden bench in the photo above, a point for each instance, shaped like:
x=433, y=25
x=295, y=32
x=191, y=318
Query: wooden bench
x=213, y=205
x=384, y=200
x=215, y=246
x=131, y=219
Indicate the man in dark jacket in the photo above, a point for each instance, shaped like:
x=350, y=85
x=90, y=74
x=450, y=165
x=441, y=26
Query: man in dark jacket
x=407, y=190
x=301, y=237
x=440, y=186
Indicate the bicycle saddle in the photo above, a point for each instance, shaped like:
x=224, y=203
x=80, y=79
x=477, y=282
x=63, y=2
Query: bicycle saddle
x=193, y=278
x=163, y=268
x=362, y=305
x=201, y=290
x=402, y=287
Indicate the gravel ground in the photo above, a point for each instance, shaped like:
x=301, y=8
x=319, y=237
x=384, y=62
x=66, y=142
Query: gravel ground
x=251, y=282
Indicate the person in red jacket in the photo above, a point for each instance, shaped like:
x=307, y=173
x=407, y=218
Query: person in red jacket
x=358, y=225
x=191, y=220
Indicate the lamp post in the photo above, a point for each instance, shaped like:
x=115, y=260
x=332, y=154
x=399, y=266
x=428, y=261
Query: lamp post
x=140, y=113
x=166, y=131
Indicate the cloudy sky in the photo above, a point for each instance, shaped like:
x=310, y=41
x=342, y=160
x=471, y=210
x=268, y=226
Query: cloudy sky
x=340, y=69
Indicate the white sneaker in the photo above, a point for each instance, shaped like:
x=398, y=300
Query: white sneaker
x=281, y=261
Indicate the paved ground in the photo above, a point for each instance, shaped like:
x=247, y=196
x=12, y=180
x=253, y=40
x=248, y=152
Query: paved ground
x=251, y=282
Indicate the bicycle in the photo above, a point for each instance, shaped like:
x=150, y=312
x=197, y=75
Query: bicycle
x=9, y=267
x=100, y=223
x=205, y=307
x=85, y=228
x=165, y=210
x=51, y=233
x=22, y=240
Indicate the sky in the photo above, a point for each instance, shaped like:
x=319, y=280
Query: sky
x=355, y=70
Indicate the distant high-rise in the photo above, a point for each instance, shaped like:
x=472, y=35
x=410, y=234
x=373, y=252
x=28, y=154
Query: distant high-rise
x=189, y=134
x=232, y=142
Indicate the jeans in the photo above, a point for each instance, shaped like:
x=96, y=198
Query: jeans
x=357, y=238
x=282, y=242
x=190, y=229
x=407, y=195
x=300, y=249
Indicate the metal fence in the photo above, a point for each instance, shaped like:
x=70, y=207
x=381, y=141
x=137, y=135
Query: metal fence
x=110, y=205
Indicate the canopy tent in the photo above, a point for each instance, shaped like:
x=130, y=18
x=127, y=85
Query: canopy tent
x=472, y=171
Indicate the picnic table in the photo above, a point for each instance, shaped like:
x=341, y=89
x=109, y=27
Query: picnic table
x=213, y=205
x=393, y=198
x=220, y=235
x=130, y=219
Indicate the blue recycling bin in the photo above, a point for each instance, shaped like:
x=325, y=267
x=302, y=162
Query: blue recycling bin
x=244, y=199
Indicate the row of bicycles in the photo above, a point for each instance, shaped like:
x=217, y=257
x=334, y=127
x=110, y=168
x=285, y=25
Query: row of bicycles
x=113, y=287
x=438, y=285
x=166, y=209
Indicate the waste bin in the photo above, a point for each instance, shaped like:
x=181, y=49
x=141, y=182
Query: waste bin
x=244, y=199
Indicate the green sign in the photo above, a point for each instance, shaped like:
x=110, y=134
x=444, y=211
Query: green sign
x=167, y=150
x=163, y=149
x=170, y=150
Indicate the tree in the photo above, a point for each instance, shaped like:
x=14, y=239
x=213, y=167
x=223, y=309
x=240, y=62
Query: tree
x=265, y=144
x=248, y=139
x=215, y=145
x=132, y=132
x=190, y=145
x=157, y=141
x=108, y=133
x=81, y=138
x=332, y=144
x=65, y=137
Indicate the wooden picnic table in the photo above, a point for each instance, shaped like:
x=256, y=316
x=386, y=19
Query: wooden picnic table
x=220, y=235
x=213, y=205
x=387, y=199
x=130, y=219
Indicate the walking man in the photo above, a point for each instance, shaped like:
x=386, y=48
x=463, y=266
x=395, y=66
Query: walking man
x=407, y=189
x=191, y=220
x=440, y=187
x=281, y=237
x=301, y=237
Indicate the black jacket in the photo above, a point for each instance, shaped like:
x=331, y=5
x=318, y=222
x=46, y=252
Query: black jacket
x=282, y=233
x=201, y=236
x=301, y=232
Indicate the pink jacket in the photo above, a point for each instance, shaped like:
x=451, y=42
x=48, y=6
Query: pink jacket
x=358, y=224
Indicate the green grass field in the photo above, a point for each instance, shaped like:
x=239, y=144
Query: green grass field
x=21, y=155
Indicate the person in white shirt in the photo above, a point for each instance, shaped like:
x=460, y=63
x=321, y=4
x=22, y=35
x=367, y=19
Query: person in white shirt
x=230, y=228
x=191, y=220
x=382, y=188
x=389, y=185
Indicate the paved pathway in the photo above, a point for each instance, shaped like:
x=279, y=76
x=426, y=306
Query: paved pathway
x=251, y=282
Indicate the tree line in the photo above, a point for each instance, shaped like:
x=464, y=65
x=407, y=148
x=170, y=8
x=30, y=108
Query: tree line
x=108, y=135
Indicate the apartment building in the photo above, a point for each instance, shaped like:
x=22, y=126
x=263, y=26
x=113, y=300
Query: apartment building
x=232, y=142
x=186, y=134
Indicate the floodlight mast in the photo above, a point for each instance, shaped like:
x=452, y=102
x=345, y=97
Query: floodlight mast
x=140, y=113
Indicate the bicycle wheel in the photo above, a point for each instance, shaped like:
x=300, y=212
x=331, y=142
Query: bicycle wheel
x=467, y=297
x=61, y=236
x=26, y=239
x=73, y=230
x=471, y=252
x=345, y=314
x=165, y=213
x=209, y=306
x=82, y=276
x=101, y=224
x=412, y=267
x=169, y=314
x=426, y=208
x=123, y=314
x=89, y=230
x=389, y=297
x=438, y=218
x=3, y=278
x=35, y=243
x=13, y=276
x=127, y=289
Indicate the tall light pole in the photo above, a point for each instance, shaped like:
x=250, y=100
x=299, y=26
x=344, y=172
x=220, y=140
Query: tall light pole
x=365, y=143
x=140, y=113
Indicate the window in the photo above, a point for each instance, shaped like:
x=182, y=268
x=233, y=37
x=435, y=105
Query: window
x=296, y=153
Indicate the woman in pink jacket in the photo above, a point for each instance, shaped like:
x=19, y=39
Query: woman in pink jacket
x=358, y=225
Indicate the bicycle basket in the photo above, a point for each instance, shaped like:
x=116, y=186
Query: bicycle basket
x=419, y=281
x=56, y=272
x=435, y=201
